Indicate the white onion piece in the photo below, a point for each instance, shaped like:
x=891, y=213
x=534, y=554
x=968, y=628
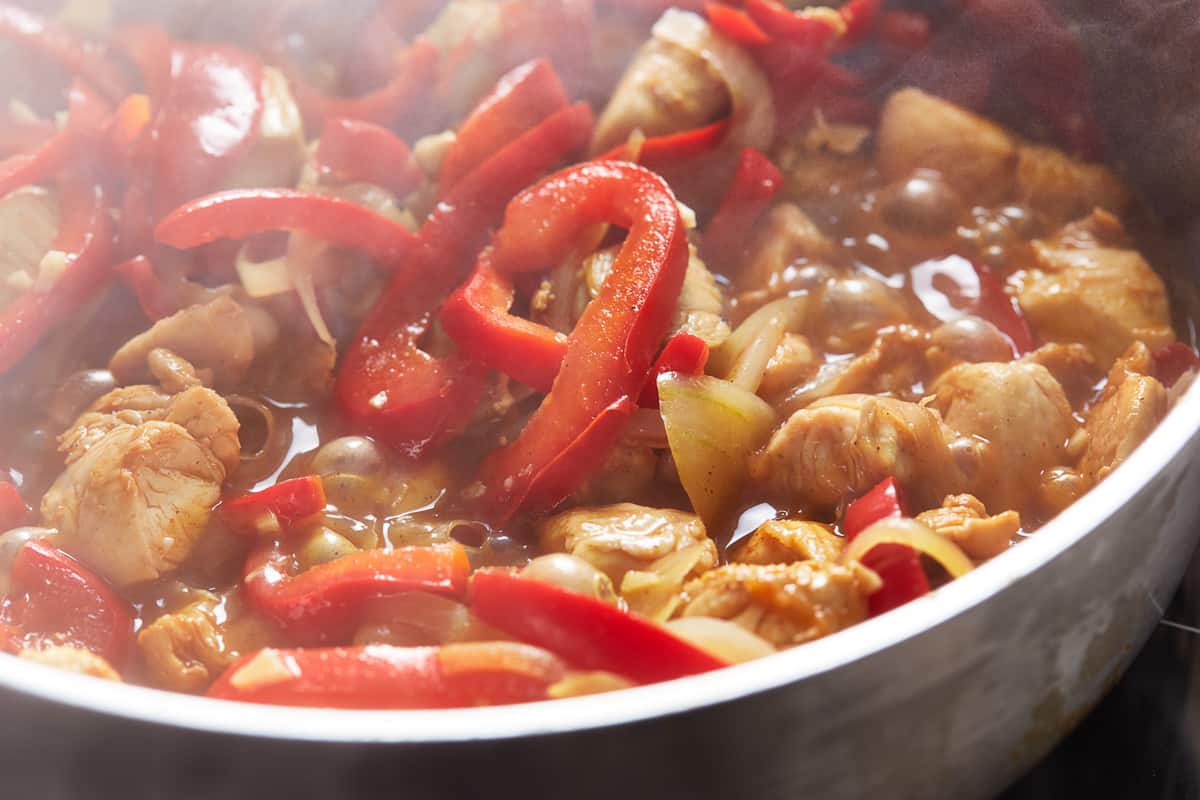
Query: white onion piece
x=909, y=532
x=752, y=118
x=712, y=427
x=262, y=278
x=742, y=358
x=305, y=254
x=722, y=638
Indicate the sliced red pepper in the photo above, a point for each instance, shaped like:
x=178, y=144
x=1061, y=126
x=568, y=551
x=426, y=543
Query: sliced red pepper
x=387, y=106
x=13, y=511
x=59, y=599
x=386, y=384
x=859, y=16
x=78, y=56
x=1173, y=361
x=238, y=213
x=379, y=676
x=138, y=274
x=585, y=632
x=521, y=99
x=612, y=347
x=1002, y=310
x=736, y=24
x=683, y=353
x=354, y=151
x=897, y=565
x=778, y=20
x=85, y=235
x=672, y=147
x=321, y=601
x=755, y=183
x=288, y=502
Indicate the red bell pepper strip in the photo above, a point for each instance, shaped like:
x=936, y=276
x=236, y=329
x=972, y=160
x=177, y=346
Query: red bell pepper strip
x=386, y=384
x=611, y=350
x=78, y=56
x=13, y=510
x=289, y=502
x=58, y=599
x=999, y=308
x=779, y=21
x=320, y=601
x=859, y=16
x=386, y=106
x=898, y=566
x=85, y=235
x=1173, y=361
x=353, y=150
x=379, y=676
x=520, y=100
x=683, y=353
x=672, y=147
x=238, y=213
x=735, y=24
x=585, y=632
x=138, y=274
x=755, y=183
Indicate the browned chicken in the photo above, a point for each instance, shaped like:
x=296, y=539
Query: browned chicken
x=965, y=521
x=786, y=240
x=1092, y=287
x=184, y=650
x=1130, y=408
x=1022, y=414
x=783, y=541
x=71, y=659
x=786, y=604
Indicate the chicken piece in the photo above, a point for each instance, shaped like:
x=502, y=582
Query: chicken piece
x=793, y=363
x=700, y=305
x=29, y=226
x=144, y=469
x=1073, y=366
x=626, y=474
x=618, y=538
x=894, y=365
x=841, y=446
x=1092, y=287
x=665, y=89
x=221, y=335
x=1129, y=410
x=786, y=240
x=1021, y=412
x=965, y=521
x=71, y=659
x=783, y=541
x=918, y=130
x=184, y=650
x=1063, y=188
x=785, y=604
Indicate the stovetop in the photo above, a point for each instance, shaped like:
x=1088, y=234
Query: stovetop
x=1143, y=740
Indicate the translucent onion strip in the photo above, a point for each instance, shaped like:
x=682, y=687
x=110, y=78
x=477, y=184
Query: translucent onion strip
x=742, y=359
x=915, y=535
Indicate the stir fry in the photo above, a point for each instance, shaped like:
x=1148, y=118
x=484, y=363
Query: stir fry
x=447, y=353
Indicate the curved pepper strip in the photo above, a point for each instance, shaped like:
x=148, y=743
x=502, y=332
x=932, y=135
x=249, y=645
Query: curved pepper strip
x=897, y=565
x=1173, y=361
x=320, y=601
x=386, y=384
x=357, y=151
x=683, y=353
x=138, y=274
x=671, y=147
x=521, y=99
x=59, y=599
x=13, y=510
x=286, y=503
x=78, y=56
x=611, y=349
x=1002, y=310
x=801, y=27
x=736, y=24
x=380, y=676
x=585, y=632
x=754, y=184
x=238, y=213
x=85, y=235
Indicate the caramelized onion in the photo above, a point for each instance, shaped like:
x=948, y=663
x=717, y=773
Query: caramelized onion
x=917, y=536
x=722, y=638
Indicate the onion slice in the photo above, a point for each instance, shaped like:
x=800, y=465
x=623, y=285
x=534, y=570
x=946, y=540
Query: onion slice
x=900, y=530
x=742, y=358
x=752, y=119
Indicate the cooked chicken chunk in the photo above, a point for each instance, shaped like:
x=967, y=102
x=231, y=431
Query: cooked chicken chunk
x=665, y=89
x=71, y=659
x=1092, y=287
x=29, y=224
x=143, y=472
x=700, y=305
x=918, y=130
x=626, y=474
x=1130, y=409
x=1063, y=188
x=842, y=446
x=963, y=519
x=793, y=363
x=1073, y=366
x=786, y=604
x=1020, y=410
x=786, y=540
x=221, y=335
x=184, y=651
x=619, y=538
x=895, y=364
x=787, y=238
